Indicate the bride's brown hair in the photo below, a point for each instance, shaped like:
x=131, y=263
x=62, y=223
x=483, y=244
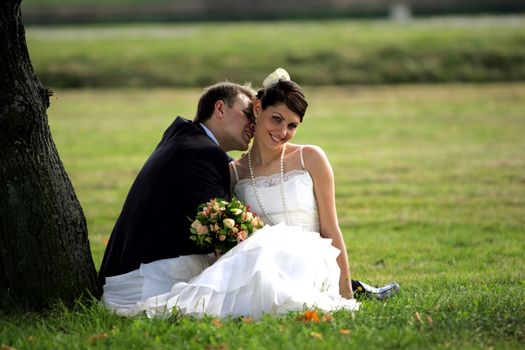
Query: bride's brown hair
x=286, y=92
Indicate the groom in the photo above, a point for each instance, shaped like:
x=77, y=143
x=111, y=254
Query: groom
x=188, y=167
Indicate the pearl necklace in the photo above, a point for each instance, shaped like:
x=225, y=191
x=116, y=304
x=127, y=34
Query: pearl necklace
x=258, y=196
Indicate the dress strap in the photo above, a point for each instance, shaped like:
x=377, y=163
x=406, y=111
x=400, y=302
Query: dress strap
x=235, y=171
x=302, y=159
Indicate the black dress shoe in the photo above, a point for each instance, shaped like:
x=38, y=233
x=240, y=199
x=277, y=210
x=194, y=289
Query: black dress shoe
x=363, y=290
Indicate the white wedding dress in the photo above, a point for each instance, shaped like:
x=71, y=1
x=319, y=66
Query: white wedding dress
x=278, y=269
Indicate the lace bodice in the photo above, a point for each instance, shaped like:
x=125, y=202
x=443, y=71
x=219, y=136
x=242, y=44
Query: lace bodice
x=300, y=198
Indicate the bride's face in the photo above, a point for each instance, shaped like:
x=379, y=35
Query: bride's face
x=276, y=125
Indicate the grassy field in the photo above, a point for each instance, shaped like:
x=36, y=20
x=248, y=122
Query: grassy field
x=481, y=49
x=430, y=193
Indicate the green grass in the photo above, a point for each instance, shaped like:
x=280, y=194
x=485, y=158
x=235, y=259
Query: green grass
x=317, y=52
x=430, y=192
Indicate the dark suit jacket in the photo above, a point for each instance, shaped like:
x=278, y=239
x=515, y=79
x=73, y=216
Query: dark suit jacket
x=186, y=169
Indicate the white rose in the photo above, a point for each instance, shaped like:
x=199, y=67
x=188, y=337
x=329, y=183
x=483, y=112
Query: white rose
x=195, y=224
x=229, y=223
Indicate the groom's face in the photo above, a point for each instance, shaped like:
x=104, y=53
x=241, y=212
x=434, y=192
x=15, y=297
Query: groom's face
x=239, y=125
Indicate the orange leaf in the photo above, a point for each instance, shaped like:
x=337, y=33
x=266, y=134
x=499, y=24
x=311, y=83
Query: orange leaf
x=96, y=337
x=311, y=316
x=217, y=323
x=344, y=331
x=247, y=319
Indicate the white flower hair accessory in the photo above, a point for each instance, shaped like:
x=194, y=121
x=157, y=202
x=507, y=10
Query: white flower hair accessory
x=275, y=76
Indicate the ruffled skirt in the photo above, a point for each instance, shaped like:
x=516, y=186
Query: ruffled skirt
x=279, y=269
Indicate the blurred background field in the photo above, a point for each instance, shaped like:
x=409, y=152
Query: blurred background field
x=338, y=52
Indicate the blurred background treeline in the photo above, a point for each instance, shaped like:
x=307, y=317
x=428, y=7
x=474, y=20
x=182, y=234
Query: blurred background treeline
x=72, y=11
x=187, y=43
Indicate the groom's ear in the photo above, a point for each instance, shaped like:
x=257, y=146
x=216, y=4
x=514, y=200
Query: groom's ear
x=256, y=108
x=218, y=108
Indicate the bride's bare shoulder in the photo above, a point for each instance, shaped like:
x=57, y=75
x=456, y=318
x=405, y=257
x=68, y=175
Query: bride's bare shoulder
x=312, y=153
x=314, y=160
x=241, y=166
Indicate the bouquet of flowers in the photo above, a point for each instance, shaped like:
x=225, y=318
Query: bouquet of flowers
x=222, y=225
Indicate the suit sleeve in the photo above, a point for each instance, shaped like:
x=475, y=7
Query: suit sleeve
x=205, y=175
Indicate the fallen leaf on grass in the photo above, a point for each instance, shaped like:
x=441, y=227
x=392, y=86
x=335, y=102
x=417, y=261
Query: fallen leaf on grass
x=327, y=318
x=418, y=317
x=247, y=319
x=429, y=320
x=344, y=331
x=96, y=337
x=217, y=323
x=7, y=347
x=309, y=316
x=316, y=335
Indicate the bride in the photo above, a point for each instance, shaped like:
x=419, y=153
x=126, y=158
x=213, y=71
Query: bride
x=299, y=259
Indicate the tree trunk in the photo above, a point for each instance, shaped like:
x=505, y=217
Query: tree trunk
x=44, y=248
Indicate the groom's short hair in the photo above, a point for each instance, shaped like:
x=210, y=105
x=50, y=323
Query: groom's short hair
x=224, y=91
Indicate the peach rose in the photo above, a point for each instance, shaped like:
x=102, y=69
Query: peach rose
x=201, y=229
x=242, y=235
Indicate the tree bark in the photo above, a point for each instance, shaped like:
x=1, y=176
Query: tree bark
x=44, y=248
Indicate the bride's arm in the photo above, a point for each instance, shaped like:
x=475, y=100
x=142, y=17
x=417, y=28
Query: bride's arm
x=234, y=173
x=317, y=164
